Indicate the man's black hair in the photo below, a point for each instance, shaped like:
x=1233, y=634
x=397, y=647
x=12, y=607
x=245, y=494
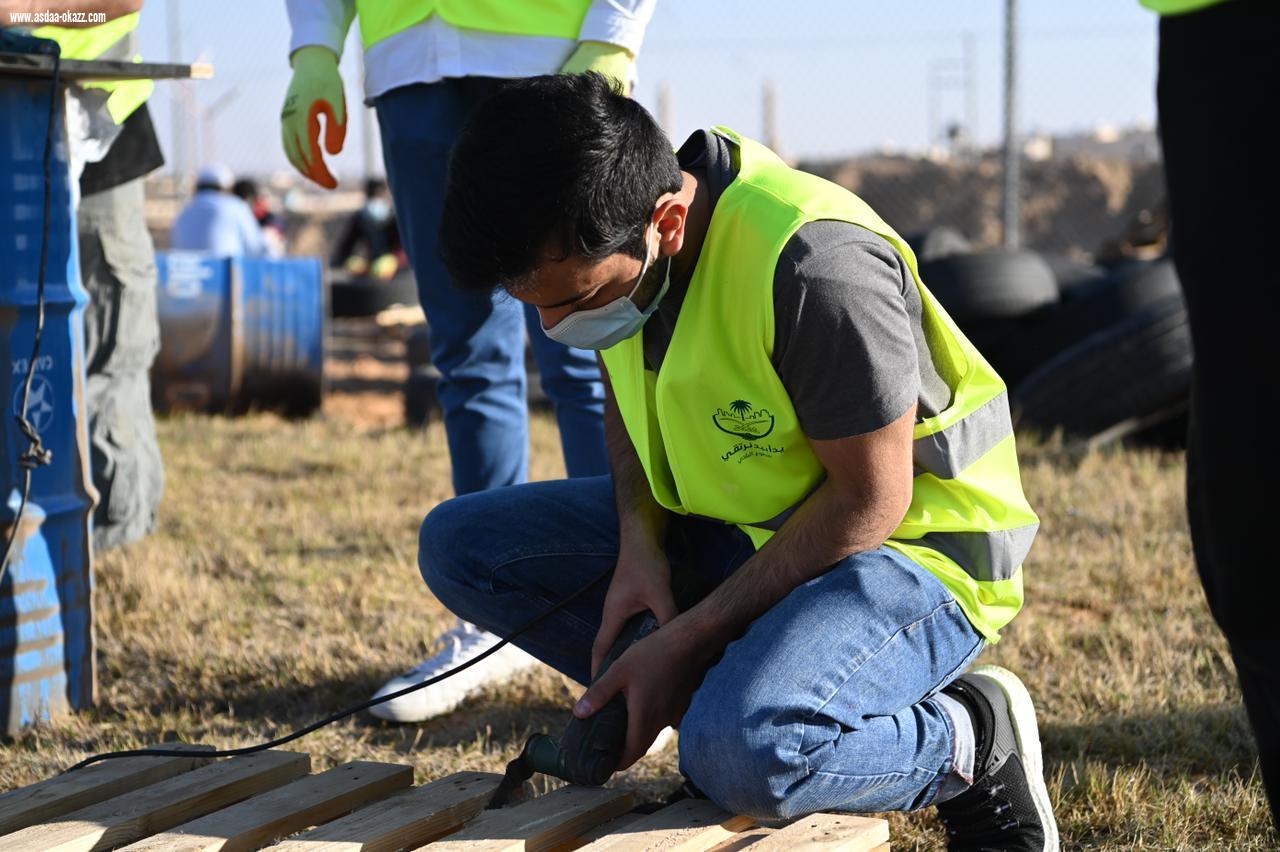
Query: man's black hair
x=549, y=167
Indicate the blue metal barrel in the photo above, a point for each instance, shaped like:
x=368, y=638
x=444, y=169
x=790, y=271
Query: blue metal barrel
x=238, y=333
x=46, y=594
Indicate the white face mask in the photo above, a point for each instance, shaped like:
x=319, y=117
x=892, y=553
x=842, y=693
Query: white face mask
x=602, y=327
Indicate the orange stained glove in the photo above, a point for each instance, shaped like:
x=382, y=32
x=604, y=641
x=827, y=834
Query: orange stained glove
x=316, y=88
x=608, y=59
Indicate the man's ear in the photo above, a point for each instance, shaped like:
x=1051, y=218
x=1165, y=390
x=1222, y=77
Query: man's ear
x=669, y=220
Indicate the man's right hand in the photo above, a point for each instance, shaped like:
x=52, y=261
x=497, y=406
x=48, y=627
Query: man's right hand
x=316, y=88
x=642, y=581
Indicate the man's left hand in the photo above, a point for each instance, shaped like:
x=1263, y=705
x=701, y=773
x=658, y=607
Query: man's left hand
x=657, y=676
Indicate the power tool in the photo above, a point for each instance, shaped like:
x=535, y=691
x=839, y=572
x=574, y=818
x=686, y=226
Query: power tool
x=587, y=752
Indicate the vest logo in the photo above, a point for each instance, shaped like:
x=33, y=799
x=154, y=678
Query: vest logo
x=744, y=421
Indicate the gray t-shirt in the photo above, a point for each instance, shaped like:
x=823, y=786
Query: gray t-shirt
x=848, y=343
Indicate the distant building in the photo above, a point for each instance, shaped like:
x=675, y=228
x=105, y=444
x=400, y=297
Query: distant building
x=1137, y=144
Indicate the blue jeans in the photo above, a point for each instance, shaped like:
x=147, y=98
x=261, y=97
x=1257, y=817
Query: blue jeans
x=827, y=702
x=477, y=340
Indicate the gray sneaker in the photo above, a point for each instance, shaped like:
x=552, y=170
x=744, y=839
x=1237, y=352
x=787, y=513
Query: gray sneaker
x=1008, y=807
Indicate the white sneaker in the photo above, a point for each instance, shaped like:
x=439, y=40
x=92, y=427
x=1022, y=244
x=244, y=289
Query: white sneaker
x=464, y=642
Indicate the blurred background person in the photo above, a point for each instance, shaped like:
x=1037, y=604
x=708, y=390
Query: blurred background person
x=426, y=64
x=271, y=222
x=216, y=221
x=370, y=241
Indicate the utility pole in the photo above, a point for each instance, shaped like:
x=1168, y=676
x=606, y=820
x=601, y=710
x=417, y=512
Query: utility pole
x=971, y=91
x=366, y=119
x=666, y=113
x=1012, y=155
x=769, y=115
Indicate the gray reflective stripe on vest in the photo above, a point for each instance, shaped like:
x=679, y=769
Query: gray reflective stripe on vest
x=773, y=524
x=123, y=48
x=946, y=454
x=985, y=556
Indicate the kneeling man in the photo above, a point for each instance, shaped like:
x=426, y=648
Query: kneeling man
x=793, y=418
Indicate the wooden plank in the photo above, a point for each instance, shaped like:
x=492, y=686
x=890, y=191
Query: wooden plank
x=743, y=840
x=63, y=794
x=161, y=806
x=285, y=810
x=40, y=65
x=615, y=824
x=690, y=825
x=404, y=820
x=832, y=832
x=540, y=824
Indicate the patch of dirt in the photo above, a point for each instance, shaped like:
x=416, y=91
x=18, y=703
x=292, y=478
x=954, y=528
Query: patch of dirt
x=366, y=371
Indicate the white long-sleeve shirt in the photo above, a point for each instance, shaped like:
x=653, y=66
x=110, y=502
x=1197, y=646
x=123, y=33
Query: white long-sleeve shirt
x=433, y=50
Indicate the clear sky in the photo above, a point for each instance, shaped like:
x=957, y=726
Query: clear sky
x=849, y=75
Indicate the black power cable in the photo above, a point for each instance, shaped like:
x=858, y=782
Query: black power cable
x=36, y=454
x=342, y=714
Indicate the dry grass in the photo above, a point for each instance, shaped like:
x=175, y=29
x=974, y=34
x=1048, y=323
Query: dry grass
x=283, y=584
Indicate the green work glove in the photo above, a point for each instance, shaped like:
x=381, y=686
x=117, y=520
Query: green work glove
x=608, y=59
x=316, y=88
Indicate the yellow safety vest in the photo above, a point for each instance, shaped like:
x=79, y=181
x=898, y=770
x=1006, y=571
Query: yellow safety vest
x=719, y=438
x=1178, y=7
x=380, y=19
x=112, y=40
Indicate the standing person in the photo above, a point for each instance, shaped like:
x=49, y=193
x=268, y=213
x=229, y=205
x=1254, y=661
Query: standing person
x=217, y=221
x=1216, y=70
x=115, y=149
x=427, y=64
x=863, y=527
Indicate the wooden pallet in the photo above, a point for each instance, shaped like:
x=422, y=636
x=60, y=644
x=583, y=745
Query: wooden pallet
x=252, y=802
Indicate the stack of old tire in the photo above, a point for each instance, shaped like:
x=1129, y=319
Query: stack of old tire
x=1100, y=353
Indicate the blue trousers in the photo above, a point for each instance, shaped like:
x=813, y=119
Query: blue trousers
x=827, y=702
x=477, y=340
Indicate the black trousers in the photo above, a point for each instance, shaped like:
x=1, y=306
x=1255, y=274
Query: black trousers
x=1217, y=91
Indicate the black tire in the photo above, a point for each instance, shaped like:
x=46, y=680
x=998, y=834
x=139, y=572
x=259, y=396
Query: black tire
x=990, y=285
x=417, y=347
x=363, y=297
x=1073, y=276
x=1094, y=305
x=1119, y=381
x=420, y=399
x=937, y=243
x=998, y=341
